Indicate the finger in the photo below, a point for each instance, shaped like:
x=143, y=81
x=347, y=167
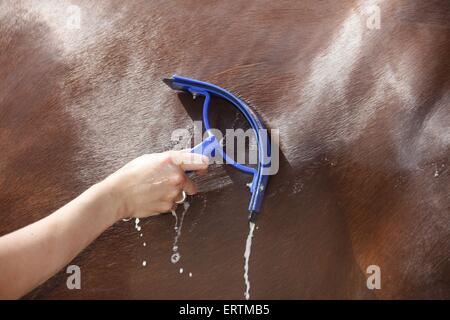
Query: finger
x=173, y=195
x=190, y=187
x=185, y=183
x=190, y=161
x=202, y=172
x=165, y=206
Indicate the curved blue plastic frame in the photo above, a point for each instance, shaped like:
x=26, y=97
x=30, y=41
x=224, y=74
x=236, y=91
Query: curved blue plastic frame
x=210, y=145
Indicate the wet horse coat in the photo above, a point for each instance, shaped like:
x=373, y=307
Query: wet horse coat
x=364, y=121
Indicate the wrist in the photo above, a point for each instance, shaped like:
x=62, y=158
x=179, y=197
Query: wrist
x=110, y=187
x=108, y=204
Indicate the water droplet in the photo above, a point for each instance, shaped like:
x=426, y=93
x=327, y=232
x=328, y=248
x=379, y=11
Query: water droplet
x=144, y=263
x=190, y=274
x=144, y=244
x=175, y=257
x=181, y=270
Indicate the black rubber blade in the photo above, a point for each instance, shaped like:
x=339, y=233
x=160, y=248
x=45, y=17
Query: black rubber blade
x=169, y=82
x=252, y=216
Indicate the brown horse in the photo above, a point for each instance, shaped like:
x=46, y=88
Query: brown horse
x=360, y=92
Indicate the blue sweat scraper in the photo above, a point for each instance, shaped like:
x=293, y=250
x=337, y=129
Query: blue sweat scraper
x=210, y=144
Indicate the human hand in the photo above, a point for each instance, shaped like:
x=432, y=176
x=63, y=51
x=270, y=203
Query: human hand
x=150, y=184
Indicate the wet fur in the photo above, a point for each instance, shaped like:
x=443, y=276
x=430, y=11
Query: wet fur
x=365, y=140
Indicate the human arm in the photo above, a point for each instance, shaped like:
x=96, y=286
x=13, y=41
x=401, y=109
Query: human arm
x=146, y=186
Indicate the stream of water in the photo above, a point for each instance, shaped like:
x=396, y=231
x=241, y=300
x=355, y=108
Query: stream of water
x=176, y=256
x=248, y=249
x=178, y=225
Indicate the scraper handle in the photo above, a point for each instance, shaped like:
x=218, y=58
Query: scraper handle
x=207, y=148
